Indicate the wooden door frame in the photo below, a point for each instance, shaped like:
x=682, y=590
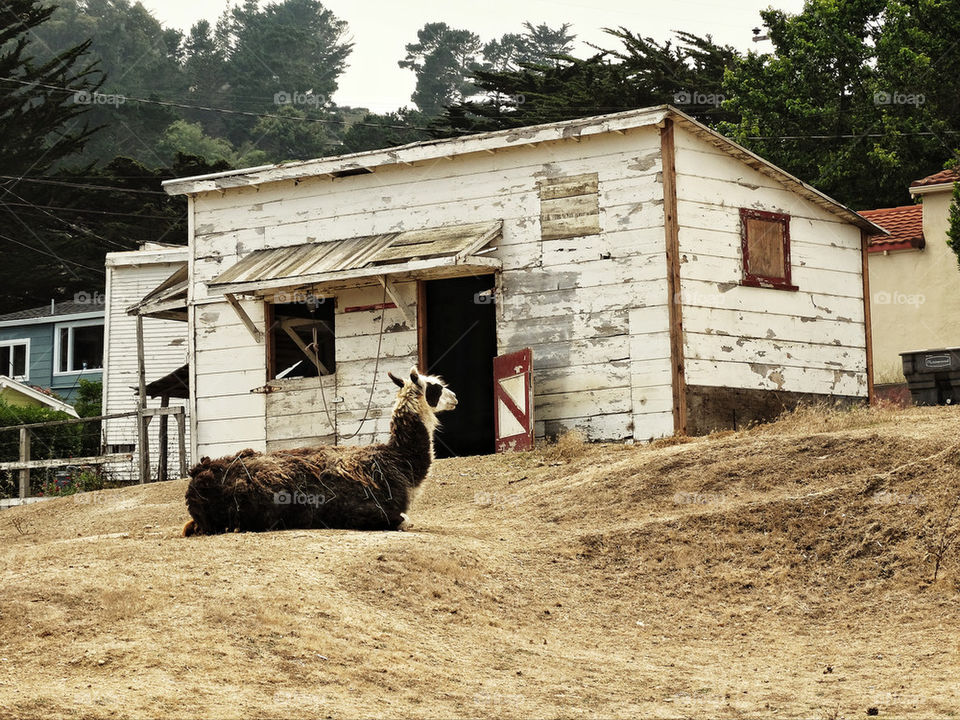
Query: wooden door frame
x=422, y=326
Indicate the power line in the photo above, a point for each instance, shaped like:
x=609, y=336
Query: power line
x=185, y=106
x=69, y=224
x=81, y=210
x=85, y=186
x=53, y=255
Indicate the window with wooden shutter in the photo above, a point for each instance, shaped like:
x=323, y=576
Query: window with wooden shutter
x=569, y=207
x=765, y=244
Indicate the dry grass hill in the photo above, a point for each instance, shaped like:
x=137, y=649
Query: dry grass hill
x=782, y=571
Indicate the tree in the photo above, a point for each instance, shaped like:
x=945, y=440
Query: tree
x=40, y=124
x=189, y=139
x=375, y=131
x=139, y=59
x=641, y=74
x=291, y=52
x=442, y=60
x=857, y=98
x=545, y=43
x=291, y=134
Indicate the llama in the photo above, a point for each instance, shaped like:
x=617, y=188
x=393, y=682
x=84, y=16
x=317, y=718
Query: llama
x=362, y=488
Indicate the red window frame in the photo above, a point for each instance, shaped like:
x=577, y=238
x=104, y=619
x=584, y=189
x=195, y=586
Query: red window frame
x=752, y=279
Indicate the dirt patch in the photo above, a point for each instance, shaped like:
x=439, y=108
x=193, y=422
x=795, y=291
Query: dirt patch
x=785, y=570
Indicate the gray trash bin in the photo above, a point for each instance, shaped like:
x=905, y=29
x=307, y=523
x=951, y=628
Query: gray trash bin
x=933, y=376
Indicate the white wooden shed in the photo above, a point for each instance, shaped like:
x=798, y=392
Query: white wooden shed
x=131, y=276
x=666, y=279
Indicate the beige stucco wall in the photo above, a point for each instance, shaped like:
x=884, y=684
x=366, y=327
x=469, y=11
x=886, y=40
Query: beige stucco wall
x=915, y=295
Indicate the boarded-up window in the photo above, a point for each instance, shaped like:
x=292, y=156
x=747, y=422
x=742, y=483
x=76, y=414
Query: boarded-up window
x=569, y=207
x=294, y=329
x=765, y=244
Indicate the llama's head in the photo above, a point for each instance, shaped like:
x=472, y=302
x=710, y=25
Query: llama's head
x=428, y=391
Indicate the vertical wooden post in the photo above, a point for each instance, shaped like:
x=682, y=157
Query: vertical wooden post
x=143, y=437
x=671, y=230
x=182, y=441
x=422, y=326
x=24, y=457
x=162, y=458
x=867, y=324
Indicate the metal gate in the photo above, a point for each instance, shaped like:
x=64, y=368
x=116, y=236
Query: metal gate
x=513, y=401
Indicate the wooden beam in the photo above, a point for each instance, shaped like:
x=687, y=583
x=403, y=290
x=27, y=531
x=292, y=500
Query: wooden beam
x=867, y=322
x=163, y=411
x=24, y=458
x=313, y=356
x=468, y=265
x=143, y=437
x=182, y=442
x=269, y=322
x=71, y=421
x=422, y=325
x=671, y=231
x=388, y=285
x=163, y=440
x=244, y=318
x=61, y=462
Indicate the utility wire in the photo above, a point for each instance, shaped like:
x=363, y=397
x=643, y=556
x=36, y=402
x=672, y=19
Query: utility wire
x=53, y=255
x=81, y=210
x=85, y=186
x=170, y=103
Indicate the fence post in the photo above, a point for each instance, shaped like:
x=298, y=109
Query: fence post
x=162, y=438
x=182, y=441
x=143, y=437
x=24, y=457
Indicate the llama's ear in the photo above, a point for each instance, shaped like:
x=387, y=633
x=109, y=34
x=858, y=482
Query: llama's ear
x=396, y=381
x=415, y=375
x=434, y=391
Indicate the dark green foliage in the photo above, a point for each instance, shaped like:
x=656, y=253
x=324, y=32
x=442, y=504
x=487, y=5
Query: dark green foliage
x=40, y=126
x=858, y=98
x=641, y=74
x=442, y=58
x=63, y=226
x=387, y=130
x=88, y=404
x=61, y=441
x=953, y=230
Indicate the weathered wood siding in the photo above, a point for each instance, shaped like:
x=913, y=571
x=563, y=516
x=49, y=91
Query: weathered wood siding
x=591, y=307
x=808, y=341
x=165, y=346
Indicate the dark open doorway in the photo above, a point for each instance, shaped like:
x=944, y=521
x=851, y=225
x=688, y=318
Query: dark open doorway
x=460, y=342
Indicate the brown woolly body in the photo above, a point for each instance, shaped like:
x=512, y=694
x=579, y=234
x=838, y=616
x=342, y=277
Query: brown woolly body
x=364, y=488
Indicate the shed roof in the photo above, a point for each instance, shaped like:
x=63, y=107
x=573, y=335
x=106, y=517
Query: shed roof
x=905, y=225
x=168, y=300
x=490, y=142
x=175, y=384
x=367, y=256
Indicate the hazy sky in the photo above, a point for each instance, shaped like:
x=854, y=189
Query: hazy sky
x=380, y=29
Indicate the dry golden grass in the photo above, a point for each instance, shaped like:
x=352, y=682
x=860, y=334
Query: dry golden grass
x=785, y=570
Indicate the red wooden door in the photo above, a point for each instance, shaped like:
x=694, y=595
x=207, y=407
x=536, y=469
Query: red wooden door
x=513, y=401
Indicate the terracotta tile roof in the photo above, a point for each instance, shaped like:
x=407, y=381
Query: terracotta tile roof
x=944, y=176
x=905, y=225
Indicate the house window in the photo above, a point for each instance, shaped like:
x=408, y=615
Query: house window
x=79, y=347
x=15, y=359
x=294, y=329
x=765, y=243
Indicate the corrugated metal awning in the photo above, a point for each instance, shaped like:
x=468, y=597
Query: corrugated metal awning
x=168, y=300
x=410, y=252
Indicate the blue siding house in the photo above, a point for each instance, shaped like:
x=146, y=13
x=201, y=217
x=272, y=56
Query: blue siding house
x=54, y=346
